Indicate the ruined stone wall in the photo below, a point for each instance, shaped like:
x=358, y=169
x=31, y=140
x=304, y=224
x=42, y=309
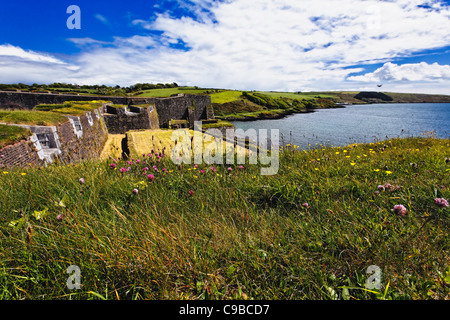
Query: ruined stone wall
x=28, y=100
x=189, y=107
x=20, y=154
x=86, y=145
x=176, y=107
x=131, y=118
x=76, y=139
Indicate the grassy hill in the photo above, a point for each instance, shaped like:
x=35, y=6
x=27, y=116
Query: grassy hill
x=308, y=232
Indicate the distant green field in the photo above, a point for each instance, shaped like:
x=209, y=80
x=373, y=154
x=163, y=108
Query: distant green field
x=292, y=95
x=167, y=92
x=42, y=118
x=226, y=96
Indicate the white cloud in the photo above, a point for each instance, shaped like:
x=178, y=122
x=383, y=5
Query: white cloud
x=407, y=72
x=267, y=44
x=17, y=53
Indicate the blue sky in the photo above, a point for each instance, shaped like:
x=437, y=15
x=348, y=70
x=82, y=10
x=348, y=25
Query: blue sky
x=289, y=45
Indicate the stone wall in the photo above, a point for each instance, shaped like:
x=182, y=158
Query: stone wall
x=76, y=139
x=182, y=107
x=86, y=143
x=28, y=100
x=121, y=120
x=20, y=154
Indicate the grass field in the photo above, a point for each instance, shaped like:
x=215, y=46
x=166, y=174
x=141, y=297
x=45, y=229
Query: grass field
x=167, y=92
x=41, y=118
x=12, y=134
x=309, y=232
x=226, y=96
x=292, y=95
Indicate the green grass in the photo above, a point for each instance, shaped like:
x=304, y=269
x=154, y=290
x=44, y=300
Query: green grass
x=77, y=108
x=226, y=96
x=292, y=95
x=238, y=235
x=12, y=134
x=27, y=117
x=167, y=92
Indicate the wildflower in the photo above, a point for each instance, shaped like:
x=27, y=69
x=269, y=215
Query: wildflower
x=380, y=187
x=138, y=161
x=151, y=177
x=60, y=217
x=337, y=152
x=202, y=171
x=130, y=162
x=306, y=205
x=145, y=169
x=23, y=174
x=352, y=163
x=191, y=193
x=229, y=169
x=112, y=165
x=143, y=155
x=376, y=170
x=150, y=155
x=399, y=209
x=441, y=202
x=213, y=169
x=196, y=166
x=122, y=170
x=129, y=168
x=135, y=191
x=388, y=172
x=81, y=181
x=241, y=167
x=164, y=170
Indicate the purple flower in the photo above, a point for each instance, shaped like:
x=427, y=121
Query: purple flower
x=138, y=161
x=81, y=181
x=213, y=169
x=441, y=202
x=306, y=205
x=191, y=193
x=151, y=177
x=135, y=191
x=130, y=162
x=112, y=165
x=143, y=154
x=129, y=168
x=145, y=169
x=60, y=217
x=202, y=171
x=229, y=169
x=196, y=166
x=241, y=167
x=399, y=209
x=122, y=170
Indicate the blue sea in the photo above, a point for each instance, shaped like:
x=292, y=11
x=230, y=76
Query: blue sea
x=358, y=124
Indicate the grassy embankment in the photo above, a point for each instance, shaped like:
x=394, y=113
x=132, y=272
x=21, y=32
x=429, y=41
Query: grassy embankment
x=232, y=234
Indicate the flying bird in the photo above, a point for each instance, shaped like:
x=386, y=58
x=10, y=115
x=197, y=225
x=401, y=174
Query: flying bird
x=379, y=85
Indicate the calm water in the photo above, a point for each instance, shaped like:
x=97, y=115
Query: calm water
x=359, y=123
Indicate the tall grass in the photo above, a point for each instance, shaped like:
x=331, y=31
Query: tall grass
x=232, y=234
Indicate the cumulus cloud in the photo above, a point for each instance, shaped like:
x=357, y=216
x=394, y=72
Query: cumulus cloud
x=268, y=44
x=406, y=72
